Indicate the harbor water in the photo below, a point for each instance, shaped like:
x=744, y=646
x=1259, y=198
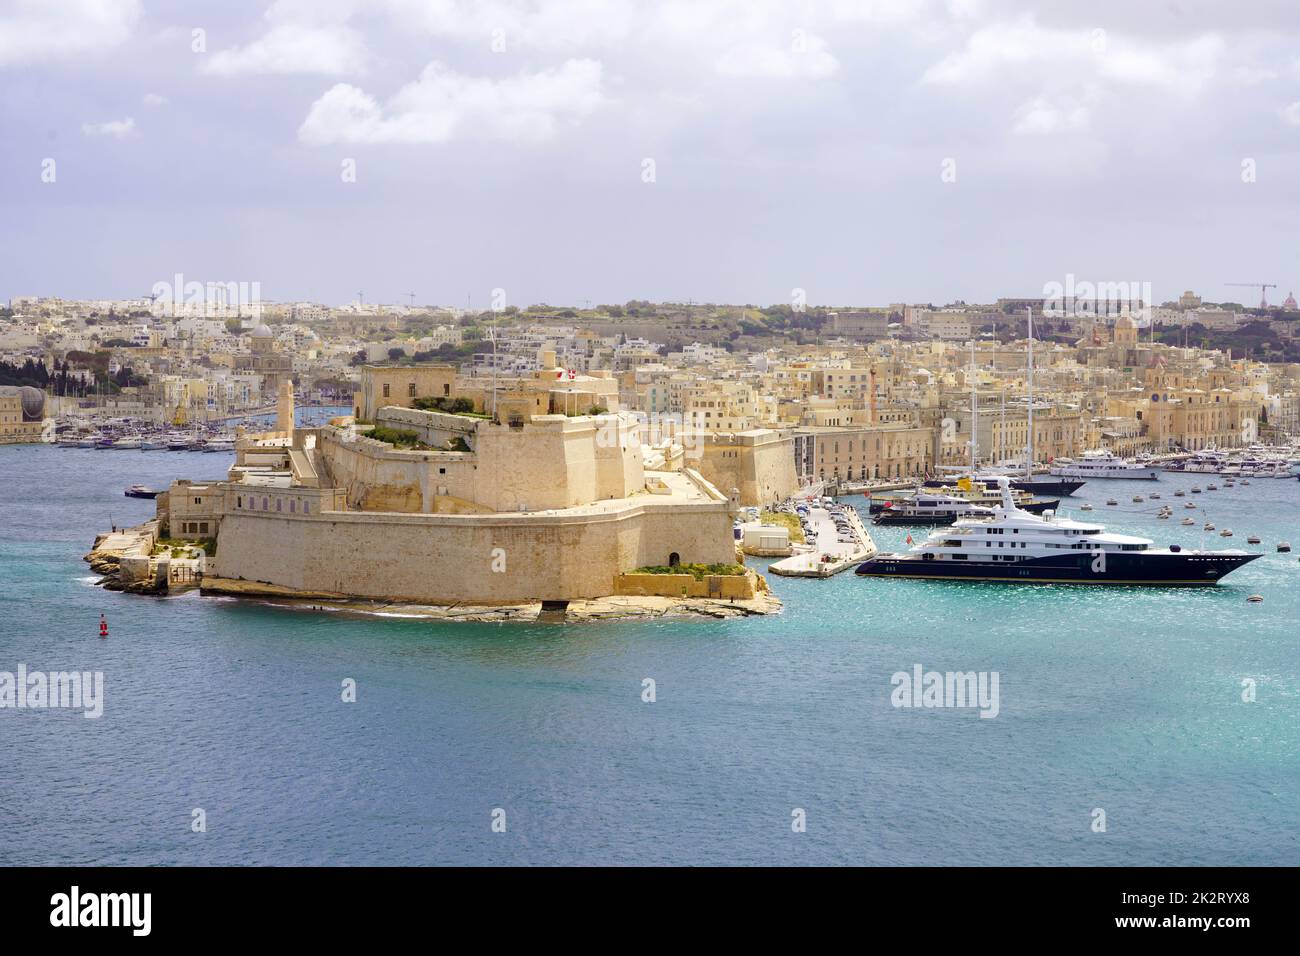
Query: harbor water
x=1124, y=700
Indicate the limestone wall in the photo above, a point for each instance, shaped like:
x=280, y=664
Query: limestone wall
x=759, y=464
x=481, y=559
x=723, y=586
x=552, y=462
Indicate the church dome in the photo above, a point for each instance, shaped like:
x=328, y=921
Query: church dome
x=33, y=403
x=261, y=332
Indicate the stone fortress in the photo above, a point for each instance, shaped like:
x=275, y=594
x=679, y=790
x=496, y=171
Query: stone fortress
x=543, y=493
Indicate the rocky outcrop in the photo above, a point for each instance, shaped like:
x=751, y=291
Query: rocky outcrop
x=600, y=609
x=107, y=554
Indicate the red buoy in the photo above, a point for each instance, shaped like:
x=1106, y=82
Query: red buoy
x=103, y=626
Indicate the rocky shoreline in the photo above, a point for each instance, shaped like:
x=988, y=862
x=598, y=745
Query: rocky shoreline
x=122, y=556
x=597, y=609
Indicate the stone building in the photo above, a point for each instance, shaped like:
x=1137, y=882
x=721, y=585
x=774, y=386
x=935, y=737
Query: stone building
x=22, y=414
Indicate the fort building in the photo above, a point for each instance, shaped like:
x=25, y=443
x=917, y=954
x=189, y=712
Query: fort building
x=521, y=508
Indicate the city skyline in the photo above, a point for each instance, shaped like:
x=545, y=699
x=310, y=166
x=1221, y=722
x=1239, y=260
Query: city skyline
x=566, y=152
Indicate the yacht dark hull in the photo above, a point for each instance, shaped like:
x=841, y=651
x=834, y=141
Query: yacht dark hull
x=1183, y=569
x=1037, y=485
x=890, y=516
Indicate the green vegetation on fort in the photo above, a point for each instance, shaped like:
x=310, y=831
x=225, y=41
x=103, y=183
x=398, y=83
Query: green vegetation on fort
x=181, y=547
x=697, y=571
x=397, y=437
x=448, y=406
x=785, y=520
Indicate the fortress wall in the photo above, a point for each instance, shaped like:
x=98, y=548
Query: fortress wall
x=449, y=558
x=761, y=467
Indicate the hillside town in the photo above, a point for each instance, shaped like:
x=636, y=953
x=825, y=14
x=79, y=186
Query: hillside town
x=848, y=394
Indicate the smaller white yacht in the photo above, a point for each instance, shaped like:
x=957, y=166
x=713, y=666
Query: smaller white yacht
x=1103, y=464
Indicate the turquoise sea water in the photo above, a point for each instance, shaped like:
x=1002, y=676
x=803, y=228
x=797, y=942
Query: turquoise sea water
x=1123, y=699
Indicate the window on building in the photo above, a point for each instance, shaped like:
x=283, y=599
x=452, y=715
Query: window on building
x=410, y=390
x=386, y=390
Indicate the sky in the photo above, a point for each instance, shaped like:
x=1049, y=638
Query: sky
x=567, y=151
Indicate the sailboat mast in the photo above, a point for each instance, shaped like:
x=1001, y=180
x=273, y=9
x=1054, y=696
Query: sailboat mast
x=1029, y=390
x=974, y=408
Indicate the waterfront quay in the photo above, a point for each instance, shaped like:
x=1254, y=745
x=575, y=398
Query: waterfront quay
x=828, y=549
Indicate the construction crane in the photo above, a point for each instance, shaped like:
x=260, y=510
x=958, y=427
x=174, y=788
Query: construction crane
x=1263, y=290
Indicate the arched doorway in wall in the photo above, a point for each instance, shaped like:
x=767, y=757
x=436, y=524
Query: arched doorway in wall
x=674, y=560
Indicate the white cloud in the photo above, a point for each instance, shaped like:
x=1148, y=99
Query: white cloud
x=1291, y=114
x=331, y=50
x=35, y=30
x=542, y=24
x=153, y=99
x=1042, y=116
x=443, y=104
x=1024, y=47
x=114, y=128
x=805, y=56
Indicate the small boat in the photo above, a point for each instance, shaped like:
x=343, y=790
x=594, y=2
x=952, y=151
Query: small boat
x=1138, y=499
x=1180, y=493
x=1085, y=507
x=1283, y=546
x=1225, y=533
x=1245, y=481
x=219, y=444
x=1196, y=489
x=153, y=444
x=1188, y=521
x=1209, y=526
x=127, y=444
x=1155, y=496
x=1253, y=539
x=1190, y=506
x=1111, y=501
x=141, y=491
x=1211, y=487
